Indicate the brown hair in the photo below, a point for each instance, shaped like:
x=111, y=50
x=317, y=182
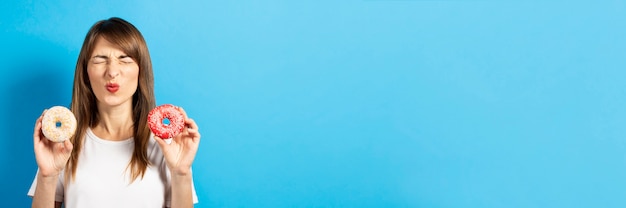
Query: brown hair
x=84, y=103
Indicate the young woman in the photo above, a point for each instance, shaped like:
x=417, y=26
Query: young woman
x=113, y=160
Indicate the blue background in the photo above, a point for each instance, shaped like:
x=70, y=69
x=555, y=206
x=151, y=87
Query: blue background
x=356, y=103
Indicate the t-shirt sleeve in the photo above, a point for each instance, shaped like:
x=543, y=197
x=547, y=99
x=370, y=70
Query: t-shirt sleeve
x=58, y=196
x=193, y=192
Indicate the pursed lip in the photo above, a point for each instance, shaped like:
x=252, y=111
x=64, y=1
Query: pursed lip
x=112, y=87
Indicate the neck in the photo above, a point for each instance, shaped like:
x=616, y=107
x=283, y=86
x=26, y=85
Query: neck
x=115, y=122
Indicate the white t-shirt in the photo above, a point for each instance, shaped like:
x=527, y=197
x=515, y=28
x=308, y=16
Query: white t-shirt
x=102, y=178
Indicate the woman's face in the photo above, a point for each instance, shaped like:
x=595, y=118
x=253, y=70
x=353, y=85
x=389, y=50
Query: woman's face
x=113, y=74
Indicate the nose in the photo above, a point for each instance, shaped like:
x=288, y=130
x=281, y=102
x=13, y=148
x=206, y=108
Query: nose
x=112, y=70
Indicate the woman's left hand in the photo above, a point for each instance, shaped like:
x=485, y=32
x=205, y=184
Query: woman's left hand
x=180, y=153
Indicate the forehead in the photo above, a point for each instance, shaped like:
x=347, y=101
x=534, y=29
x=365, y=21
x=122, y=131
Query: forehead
x=104, y=47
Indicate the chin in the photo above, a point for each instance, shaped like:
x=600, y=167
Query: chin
x=113, y=102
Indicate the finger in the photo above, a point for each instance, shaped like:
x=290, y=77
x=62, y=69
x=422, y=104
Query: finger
x=182, y=111
x=178, y=137
x=37, y=130
x=160, y=142
x=192, y=127
x=41, y=116
x=68, y=145
x=191, y=124
x=43, y=113
x=196, y=137
x=58, y=147
x=192, y=131
x=46, y=142
x=38, y=122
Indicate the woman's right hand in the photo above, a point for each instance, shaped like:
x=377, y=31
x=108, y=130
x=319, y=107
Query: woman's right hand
x=51, y=156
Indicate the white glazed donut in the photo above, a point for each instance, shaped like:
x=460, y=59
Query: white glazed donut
x=58, y=115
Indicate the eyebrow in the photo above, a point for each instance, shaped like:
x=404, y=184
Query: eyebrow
x=100, y=56
x=106, y=57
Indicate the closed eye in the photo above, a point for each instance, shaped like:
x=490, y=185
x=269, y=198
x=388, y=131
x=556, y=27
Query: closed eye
x=126, y=59
x=99, y=59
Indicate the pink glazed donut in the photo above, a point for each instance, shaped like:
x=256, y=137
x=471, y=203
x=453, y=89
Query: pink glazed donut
x=162, y=130
x=58, y=124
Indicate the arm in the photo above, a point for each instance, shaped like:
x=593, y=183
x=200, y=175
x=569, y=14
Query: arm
x=181, y=191
x=179, y=156
x=51, y=159
x=45, y=191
